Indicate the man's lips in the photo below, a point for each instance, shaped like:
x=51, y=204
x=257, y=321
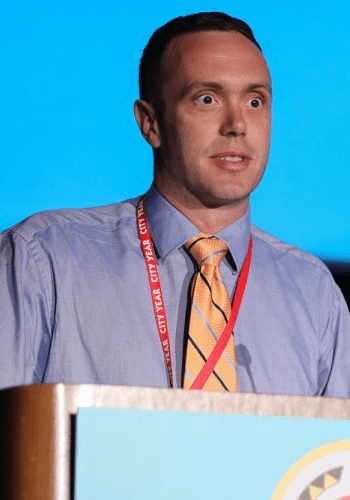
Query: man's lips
x=233, y=159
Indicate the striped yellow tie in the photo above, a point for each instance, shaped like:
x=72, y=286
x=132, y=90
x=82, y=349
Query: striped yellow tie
x=210, y=311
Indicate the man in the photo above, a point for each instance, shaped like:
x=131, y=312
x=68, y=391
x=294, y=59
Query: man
x=81, y=303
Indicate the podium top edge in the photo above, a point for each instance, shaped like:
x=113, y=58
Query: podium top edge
x=70, y=397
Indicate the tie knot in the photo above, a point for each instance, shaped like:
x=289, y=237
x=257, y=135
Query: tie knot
x=206, y=249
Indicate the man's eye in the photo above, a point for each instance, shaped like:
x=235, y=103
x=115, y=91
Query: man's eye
x=255, y=102
x=205, y=99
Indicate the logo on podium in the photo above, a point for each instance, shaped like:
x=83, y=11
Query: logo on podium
x=322, y=474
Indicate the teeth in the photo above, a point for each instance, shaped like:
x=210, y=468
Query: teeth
x=232, y=158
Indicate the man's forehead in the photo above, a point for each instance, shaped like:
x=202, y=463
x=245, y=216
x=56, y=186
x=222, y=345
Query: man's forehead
x=203, y=41
x=204, y=51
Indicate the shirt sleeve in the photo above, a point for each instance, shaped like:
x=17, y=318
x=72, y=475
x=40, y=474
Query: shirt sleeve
x=334, y=366
x=25, y=326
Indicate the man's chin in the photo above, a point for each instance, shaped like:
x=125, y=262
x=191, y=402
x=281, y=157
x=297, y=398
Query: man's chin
x=225, y=200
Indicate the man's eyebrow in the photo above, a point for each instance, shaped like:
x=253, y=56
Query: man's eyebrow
x=261, y=85
x=197, y=85
x=220, y=87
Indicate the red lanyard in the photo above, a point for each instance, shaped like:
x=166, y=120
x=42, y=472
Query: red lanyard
x=154, y=283
x=158, y=301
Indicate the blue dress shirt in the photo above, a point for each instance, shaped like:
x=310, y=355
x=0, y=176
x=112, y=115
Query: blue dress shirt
x=75, y=304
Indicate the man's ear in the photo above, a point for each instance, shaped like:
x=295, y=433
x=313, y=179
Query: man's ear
x=147, y=122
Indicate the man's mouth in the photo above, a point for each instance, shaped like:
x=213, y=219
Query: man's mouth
x=232, y=158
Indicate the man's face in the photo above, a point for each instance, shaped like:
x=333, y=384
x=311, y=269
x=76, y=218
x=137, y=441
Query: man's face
x=214, y=128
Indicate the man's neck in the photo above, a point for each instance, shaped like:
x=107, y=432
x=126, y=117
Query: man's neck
x=209, y=220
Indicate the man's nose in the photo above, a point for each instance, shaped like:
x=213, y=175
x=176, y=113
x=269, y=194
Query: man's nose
x=233, y=121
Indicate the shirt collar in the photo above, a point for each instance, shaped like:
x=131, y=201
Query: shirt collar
x=170, y=229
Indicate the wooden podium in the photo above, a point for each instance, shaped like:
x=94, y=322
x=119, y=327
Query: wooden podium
x=37, y=428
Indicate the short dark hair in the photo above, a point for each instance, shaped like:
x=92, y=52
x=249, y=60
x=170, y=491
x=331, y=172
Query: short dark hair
x=150, y=64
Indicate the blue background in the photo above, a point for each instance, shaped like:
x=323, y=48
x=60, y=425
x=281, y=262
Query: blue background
x=126, y=453
x=67, y=131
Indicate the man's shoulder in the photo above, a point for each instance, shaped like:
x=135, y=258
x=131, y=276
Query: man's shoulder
x=92, y=217
x=287, y=254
